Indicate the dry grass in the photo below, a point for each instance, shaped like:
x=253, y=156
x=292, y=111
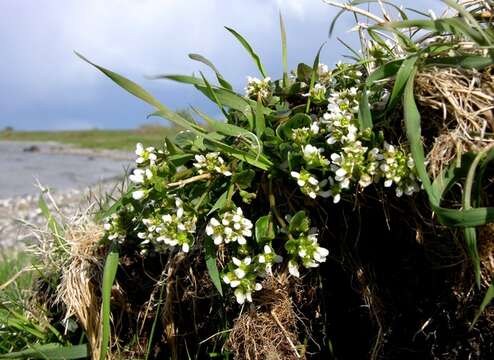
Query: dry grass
x=466, y=100
x=270, y=330
x=79, y=289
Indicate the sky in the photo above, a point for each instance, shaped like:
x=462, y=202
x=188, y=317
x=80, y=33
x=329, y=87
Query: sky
x=44, y=86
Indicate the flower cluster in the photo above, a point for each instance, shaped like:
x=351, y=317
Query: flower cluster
x=145, y=155
x=318, y=93
x=355, y=160
x=242, y=278
x=340, y=120
x=306, y=249
x=397, y=167
x=170, y=226
x=313, y=156
x=324, y=74
x=212, y=162
x=308, y=183
x=148, y=161
x=257, y=88
x=231, y=227
x=268, y=258
x=114, y=228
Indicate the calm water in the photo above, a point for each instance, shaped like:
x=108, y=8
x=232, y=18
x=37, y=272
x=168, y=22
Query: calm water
x=20, y=169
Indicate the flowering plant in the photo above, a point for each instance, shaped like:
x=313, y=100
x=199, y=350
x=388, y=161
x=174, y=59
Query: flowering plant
x=218, y=191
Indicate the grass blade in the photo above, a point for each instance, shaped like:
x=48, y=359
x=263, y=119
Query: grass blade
x=221, y=79
x=401, y=80
x=251, y=51
x=488, y=297
x=52, y=351
x=284, y=52
x=210, y=251
x=364, y=113
x=315, y=67
x=109, y=273
x=260, y=121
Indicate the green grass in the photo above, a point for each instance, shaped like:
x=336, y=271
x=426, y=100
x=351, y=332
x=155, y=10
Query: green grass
x=96, y=139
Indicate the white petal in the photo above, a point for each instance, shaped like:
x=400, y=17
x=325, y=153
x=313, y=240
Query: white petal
x=239, y=294
x=239, y=273
x=236, y=261
x=293, y=268
x=218, y=239
x=139, y=194
x=248, y=296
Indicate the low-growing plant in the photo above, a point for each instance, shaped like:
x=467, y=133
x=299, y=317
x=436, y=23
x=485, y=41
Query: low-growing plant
x=248, y=194
x=263, y=198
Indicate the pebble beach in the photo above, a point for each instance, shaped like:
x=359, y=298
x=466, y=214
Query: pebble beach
x=73, y=176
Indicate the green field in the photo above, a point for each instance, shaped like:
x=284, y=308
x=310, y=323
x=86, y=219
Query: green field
x=96, y=139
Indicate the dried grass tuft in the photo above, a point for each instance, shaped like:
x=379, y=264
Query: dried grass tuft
x=465, y=100
x=79, y=289
x=270, y=330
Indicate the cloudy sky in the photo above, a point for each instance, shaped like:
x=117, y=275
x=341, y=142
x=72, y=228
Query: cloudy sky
x=43, y=85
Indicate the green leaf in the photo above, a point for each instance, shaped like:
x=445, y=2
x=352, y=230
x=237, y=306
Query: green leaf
x=470, y=232
x=264, y=229
x=229, y=99
x=489, y=295
x=284, y=131
x=315, y=67
x=142, y=94
x=229, y=129
x=55, y=228
x=180, y=159
x=260, y=121
x=299, y=223
x=284, y=52
x=205, y=61
x=304, y=72
x=251, y=51
x=464, y=62
x=220, y=203
x=401, y=79
x=454, y=25
x=260, y=161
x=184, y=79
x=244, y=178
x=109, y=273
x=52, y=351
x=384, y=71
x=364, y=113
x=210, y=250
x=213, y=96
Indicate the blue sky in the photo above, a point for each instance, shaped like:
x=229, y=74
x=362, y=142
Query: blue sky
x=43, y=85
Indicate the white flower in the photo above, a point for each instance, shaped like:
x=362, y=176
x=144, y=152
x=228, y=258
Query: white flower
x=233, y=227
x=147, y=154
x=212, y=162
x=138, y=194
x=293, y=268
x=241, y=296
x=309, y=185
x=258, y=88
